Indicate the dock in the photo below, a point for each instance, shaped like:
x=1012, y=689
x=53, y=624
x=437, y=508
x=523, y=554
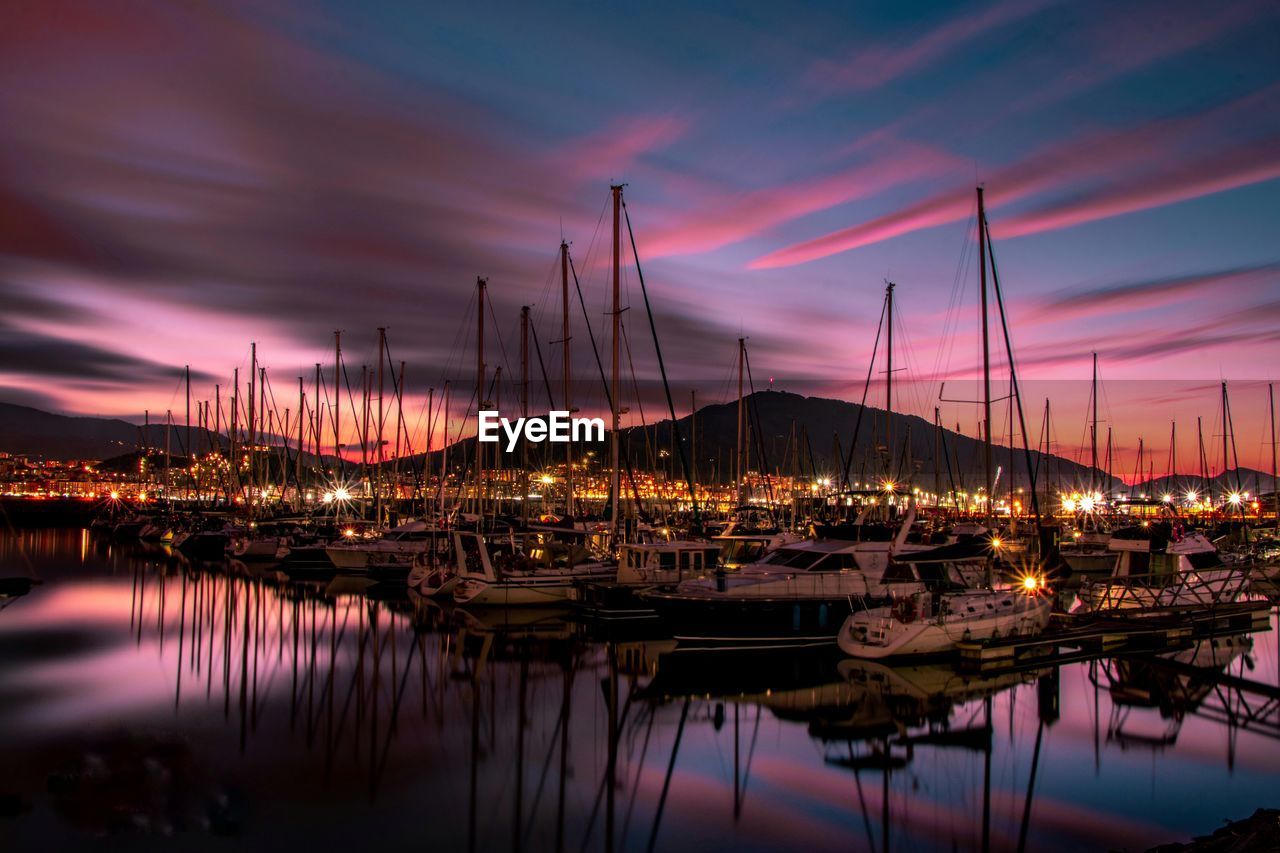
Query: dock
x=1078, y=637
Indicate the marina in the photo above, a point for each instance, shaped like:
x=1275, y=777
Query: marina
x=678, y=428
x=147, y=695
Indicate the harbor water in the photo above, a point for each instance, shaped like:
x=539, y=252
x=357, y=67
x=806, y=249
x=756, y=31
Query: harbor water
x=144, y=698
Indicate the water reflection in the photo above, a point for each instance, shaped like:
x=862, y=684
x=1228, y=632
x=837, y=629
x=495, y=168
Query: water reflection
x=143, y=695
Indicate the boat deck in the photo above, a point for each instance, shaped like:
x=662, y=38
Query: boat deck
x=1071, y=638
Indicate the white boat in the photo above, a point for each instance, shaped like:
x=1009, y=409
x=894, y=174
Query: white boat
x=1158, y=567
x=798, y=595
x=530, y=568
x=407, y=540
x=268, y=548
x=934, y=608
x=432, y=579
x=642, y=567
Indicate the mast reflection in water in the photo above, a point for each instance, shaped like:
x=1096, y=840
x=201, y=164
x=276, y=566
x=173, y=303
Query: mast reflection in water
x=142, y=696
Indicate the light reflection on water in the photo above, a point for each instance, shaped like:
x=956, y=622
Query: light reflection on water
x=140, y=696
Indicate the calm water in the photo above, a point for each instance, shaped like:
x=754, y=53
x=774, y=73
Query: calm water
x=142, y=698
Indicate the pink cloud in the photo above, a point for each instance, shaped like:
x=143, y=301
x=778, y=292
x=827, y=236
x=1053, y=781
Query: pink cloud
x=727, y=218
x=615, y=149
x=1251, y=164
x=1090, y=159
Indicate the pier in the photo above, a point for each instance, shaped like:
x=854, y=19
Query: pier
x=1072, y=638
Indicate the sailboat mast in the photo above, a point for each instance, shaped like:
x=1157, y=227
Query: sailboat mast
x=524, y=412
x=986, y=359
x=190, y=450
x=1093, y=421
x=738, y=472
x=444, y=448
x=253, y=444
x=378, y=460
x=888, y=376
x=693, y=444
x=481, y=283
x=1275, y=494
x=235, y=430
x=316, y=425
x=168, y=431
x=302, y=438
x=337, y=397
x=565, y=349
x=937, y=456
x=264, y=465
x=615, y=393
x=1204, y=466
x=1226, y=458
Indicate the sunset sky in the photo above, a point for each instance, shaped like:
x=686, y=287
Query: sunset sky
x=180, y=179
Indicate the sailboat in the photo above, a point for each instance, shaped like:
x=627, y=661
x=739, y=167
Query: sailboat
x=518, y=569
x=934, y=607
x=542, y=564
x=937, y=599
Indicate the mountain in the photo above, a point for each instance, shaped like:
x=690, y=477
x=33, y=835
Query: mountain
x=1249, y=480
x=811, y=435
x=795, y=434
x=31, y=432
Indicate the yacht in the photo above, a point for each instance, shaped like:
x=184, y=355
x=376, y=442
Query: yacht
x=355, y=552
x=799, y=595
x=538, y=566
x=934, y=607
x=644, y=566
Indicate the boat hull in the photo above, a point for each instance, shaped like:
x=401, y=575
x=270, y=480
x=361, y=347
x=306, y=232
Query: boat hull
x=703, y=621
x=523, y=592
x=887, y=637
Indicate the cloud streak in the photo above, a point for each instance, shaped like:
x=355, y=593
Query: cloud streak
x=1084, y=163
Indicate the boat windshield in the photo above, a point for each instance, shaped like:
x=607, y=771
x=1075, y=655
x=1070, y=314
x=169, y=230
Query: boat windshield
x=793, y=558
x=742, y=550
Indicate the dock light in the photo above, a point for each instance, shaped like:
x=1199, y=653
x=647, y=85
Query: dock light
x=115, y=496
x=326, y=498
x=889, y=485
x=341, y=494
x=1167, y=498
x=1069, y=504
x=1029, y=583
x=349, y=532
x=547, y=479
x=1192, y=497
x=1087, y=503
x=1234, y=499
x=996, y=542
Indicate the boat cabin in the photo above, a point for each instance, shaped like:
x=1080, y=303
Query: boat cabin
x=665, y=562
x=1159, y=549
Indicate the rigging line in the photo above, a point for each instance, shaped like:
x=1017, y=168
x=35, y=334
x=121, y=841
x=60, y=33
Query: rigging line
x=591, y=335
x=546, y=380
x=754, y=409
x=862, y=407
x=416, y=468
x=666, y=387
x=1013, y=380
x=502, y=346
x=952, y=318
x=644, y=425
